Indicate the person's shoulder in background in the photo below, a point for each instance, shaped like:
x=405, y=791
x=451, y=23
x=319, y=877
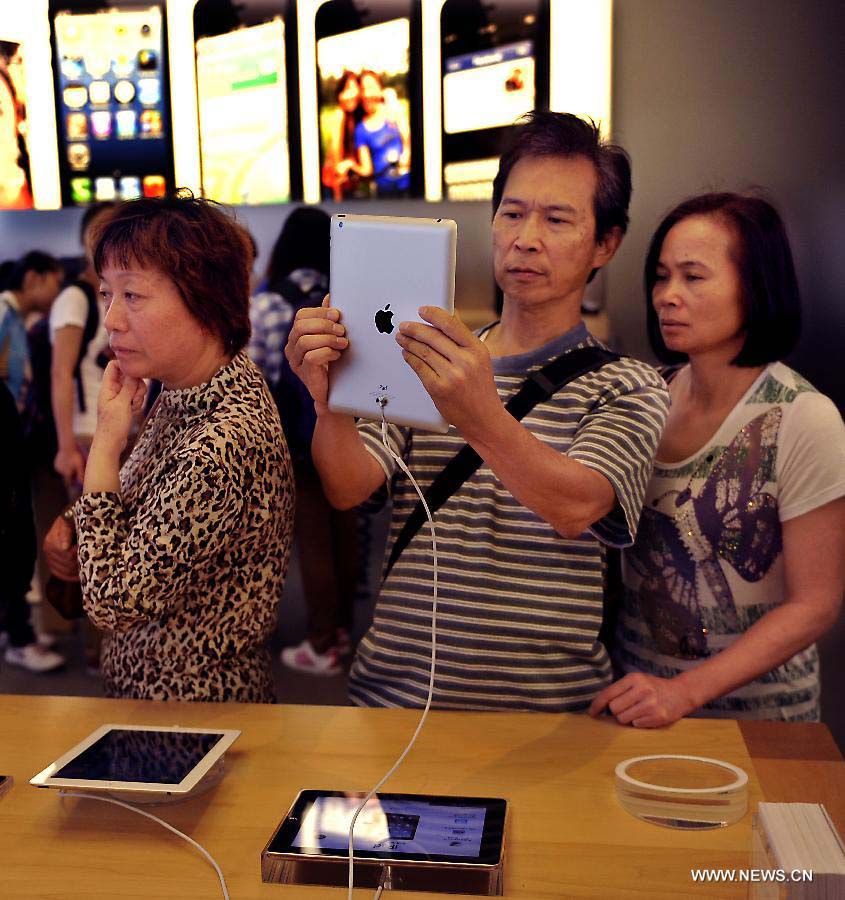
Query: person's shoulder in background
x=69, y=308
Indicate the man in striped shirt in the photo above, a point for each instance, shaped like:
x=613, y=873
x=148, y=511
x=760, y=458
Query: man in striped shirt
x=520, y=542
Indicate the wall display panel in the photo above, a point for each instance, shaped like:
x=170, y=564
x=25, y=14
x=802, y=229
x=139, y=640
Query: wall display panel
x=15, y=171
x=468, y=46
x=495, y=68
x=16, y=190
x=368, y=84
x=29, y=174
x=112, y=101
x=580, y=70
x=245, y=57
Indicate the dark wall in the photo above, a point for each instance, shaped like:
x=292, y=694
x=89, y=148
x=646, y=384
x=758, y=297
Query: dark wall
x=721, y=95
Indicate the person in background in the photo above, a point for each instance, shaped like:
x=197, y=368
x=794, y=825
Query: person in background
x=739, y=561
x=298, y=277
x=31, y=283
x=30, y=286
x=382, y=142
x=340, y=153
x=183, y=550
x=15, y=183
x=17, y=546
x=297, y=272
x=79, y=353
x=520, y=551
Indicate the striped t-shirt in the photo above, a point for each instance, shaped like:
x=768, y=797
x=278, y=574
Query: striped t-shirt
x=519, y=606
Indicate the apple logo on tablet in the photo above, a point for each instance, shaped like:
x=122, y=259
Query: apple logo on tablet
x=384, y=320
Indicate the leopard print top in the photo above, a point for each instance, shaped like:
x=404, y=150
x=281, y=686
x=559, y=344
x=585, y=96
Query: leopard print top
x=184, y=568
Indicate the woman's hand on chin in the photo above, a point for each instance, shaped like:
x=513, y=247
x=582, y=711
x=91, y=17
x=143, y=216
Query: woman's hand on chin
x=121, y=400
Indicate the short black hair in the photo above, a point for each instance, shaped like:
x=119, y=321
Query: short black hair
x=769, y=286
x=90, y=213
x=35, y=261
x=303, y=243
x=543, y=133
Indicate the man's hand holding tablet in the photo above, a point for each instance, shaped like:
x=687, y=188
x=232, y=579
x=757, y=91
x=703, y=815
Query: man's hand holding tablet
x=316, y=339
x=454, y=367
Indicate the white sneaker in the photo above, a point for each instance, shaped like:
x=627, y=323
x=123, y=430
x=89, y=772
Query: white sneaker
x=45, y=641
x=304, y=658
x=34, y=658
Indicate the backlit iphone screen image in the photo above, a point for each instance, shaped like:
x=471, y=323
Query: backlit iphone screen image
x=113, y=113
x=494, y=58
x=489, y=88
x=486, y=89
x=365, y=140
x=15, y=181
x=243, y=115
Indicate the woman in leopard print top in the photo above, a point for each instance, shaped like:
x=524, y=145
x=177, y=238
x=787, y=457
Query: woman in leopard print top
x=183, y=554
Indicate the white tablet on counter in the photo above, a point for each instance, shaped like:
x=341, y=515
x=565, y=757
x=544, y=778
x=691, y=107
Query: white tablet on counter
x=140, y=762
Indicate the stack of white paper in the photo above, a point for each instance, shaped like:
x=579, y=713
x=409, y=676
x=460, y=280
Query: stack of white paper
x=798, y=854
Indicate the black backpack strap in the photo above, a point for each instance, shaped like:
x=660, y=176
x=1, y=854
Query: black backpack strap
x=537, y=388
x=92, y=323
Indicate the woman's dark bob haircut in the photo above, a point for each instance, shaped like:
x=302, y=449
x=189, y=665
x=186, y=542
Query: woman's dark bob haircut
x=197, y=245
x=768, y=284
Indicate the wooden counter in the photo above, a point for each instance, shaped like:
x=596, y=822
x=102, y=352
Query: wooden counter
x=567, y=835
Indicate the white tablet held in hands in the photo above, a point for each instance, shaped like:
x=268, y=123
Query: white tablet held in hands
x=140, y=762
x=383, y=269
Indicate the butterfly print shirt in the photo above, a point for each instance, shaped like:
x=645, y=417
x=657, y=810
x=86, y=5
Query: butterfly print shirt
x=708, y=563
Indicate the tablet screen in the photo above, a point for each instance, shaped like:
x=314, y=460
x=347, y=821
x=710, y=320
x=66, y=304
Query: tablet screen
x=398, y=825
x=456, y=829
x=151, y=757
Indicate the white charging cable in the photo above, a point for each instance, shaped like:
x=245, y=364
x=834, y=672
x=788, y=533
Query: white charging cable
x=401, y=463
x=161, y=822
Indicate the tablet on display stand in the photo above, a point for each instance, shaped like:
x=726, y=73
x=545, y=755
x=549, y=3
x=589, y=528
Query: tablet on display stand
x=402, y=841
x=141, y=763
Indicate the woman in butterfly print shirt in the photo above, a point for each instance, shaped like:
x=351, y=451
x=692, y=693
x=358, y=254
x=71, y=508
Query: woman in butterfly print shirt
x=739, y=563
